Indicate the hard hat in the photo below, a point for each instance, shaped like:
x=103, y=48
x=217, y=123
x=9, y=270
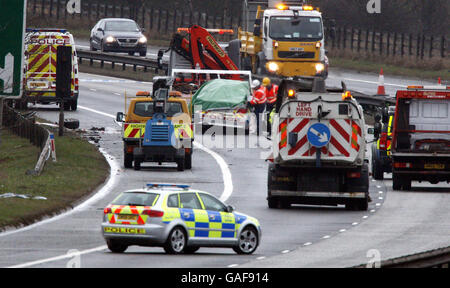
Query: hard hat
x=255, y=83
x=266, y=81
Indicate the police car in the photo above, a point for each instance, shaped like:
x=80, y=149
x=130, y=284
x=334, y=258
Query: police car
x=177, y=218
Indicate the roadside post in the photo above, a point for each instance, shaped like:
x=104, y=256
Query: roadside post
x=63, y=80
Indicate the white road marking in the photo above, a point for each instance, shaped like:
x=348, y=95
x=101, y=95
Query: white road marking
x=355, y=223
x=232, y=265
x=326, y=237
x=261, y=258
x=365, y=217
x=226, y=173
x=369, y=82
x=285, y=251
x=342, y=230
x=307, y=244
x=58, y=258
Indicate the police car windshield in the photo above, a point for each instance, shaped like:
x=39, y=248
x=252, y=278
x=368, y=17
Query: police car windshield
x=122, y=26
x=145, y=109
x=136, y=199
x=300, y=28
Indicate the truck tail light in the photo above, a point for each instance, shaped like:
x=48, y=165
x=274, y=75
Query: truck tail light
x=353, y=174
x=107, y=210
x=402, y=165
x=242, y=110
x=383, y=141
x=153, y=213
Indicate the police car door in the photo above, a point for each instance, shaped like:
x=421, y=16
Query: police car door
x=221, y=223
x=193, y=215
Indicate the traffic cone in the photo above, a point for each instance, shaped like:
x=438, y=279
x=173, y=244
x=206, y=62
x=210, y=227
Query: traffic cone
x=381, y=90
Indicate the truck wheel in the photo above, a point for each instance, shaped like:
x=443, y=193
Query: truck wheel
x=66, y=105
x=188, y=161
x=128, y=160
x=137, y=165
x=378, y=173
x=272, y=203
x=180, y=164
x=396, y=182
x=74, y=105
x=406, y=183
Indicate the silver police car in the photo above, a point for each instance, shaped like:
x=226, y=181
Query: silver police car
x=177, y=218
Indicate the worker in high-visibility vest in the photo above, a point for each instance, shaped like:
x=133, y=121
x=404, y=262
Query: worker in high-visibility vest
x=272, y=91
x=258, y=101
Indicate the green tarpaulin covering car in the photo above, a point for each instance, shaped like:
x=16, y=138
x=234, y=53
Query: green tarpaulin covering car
x=221, y=94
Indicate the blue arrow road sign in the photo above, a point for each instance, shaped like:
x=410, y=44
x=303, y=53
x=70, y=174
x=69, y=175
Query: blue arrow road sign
x=318, y=135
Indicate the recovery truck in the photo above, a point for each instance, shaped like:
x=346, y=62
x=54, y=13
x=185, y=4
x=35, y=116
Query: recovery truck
x=421, y=136
x=40, y=67
x=287, y=39
x=318, y=149
x=157, y=128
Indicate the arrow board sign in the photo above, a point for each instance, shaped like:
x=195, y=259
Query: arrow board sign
x=12, y=33
x=318, y=135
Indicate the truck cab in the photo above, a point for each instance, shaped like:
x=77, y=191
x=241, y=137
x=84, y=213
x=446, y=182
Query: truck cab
x=288, y=41
x=157, y=128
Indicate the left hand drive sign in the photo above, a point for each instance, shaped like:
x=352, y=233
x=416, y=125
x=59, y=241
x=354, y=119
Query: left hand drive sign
x=12, y=33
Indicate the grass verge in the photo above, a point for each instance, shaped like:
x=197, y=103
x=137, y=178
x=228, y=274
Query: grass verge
x=80, y=169
x=430, y=69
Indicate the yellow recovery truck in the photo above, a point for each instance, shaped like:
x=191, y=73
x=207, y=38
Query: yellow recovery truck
x=287, y=40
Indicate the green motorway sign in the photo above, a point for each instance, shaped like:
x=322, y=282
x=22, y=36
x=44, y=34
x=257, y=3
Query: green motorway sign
x=12, y=33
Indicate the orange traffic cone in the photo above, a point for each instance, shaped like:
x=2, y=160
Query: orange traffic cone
x=381, y=90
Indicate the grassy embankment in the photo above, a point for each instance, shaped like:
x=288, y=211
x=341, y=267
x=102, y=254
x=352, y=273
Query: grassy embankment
x=79, y=170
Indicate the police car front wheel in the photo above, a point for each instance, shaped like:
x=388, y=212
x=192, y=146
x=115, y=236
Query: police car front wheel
x=248, y=241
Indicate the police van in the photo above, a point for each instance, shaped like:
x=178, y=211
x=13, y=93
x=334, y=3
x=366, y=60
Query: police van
x=39, y=81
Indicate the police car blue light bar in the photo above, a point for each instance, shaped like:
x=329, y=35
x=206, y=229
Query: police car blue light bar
x=46, y=30
x=156, y=185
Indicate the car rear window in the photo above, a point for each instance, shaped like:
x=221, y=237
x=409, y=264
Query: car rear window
x=145, y=109
x=136, y=199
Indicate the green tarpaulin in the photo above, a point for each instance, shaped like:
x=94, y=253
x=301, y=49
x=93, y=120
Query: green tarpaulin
x=221, y=94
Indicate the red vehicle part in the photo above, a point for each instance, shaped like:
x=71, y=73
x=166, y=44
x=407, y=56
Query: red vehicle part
x=203, y=51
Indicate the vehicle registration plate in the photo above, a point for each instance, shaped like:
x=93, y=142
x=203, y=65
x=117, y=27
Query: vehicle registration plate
x=127, y=217
x=435, y=166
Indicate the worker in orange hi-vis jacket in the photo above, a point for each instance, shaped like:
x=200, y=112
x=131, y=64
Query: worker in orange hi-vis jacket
x=272, y=91
x=258, y=101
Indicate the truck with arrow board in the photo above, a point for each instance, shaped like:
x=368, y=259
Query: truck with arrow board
x=318, y=148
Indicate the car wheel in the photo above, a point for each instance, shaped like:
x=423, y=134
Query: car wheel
x=247, y=242
x=131, y=53
x=115, y=246
x=176, y=242
x=143, y=53
x=92, y=48
x=71, y=123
